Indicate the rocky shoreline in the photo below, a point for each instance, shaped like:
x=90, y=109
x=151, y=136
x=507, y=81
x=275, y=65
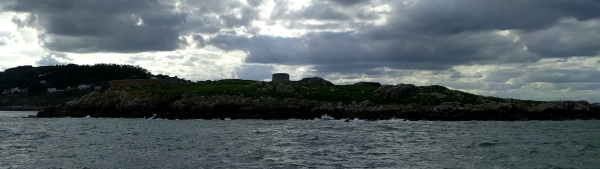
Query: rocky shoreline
x=115, y=103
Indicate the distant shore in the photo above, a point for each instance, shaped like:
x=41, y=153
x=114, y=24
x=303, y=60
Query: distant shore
x=22, y=108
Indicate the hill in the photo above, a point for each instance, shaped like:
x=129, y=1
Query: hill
x=61, y=76
x=27, y=87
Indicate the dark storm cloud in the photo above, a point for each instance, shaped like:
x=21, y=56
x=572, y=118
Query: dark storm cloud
x=502, y=76
x=102, y=26
x=565, y=39
x=255, y=2
x=580, y=86
x=430, y=35
x=322, y=11
x=441, y=17
x=211, y=16
x=317, y=10
x=200, y=40
x=347, y=52
x=349, y=2
x=563, y=76
x=452, y=73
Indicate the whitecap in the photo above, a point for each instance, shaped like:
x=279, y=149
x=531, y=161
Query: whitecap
x=152, y=117
x=326, y=117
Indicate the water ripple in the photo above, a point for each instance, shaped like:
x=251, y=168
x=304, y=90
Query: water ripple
x=142, y=143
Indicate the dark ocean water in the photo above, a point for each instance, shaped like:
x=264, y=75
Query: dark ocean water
x=146, y=143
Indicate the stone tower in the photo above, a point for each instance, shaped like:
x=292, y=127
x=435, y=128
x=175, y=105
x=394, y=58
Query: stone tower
x=281, y=77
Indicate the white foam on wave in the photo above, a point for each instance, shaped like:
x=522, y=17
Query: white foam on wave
x=325, y=117
x=357, y=119
x=227, y=118
x=88, y=116
x=152, y=117
x=393, y=120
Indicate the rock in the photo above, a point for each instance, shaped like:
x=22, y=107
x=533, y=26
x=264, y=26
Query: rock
x=367, y=84
x=316, y=81
x=365, y=103
x=256, y=84
x=47, y=112
x=284, y=88
x=398, y=91
x=594, y=106
x=269, y=87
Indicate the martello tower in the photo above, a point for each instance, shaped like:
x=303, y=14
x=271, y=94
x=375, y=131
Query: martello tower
x=281, y=77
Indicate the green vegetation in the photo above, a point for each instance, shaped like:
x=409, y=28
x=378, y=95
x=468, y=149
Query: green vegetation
x=337, y=93
x=71, y=75
x=37, y=80
x=235, y=87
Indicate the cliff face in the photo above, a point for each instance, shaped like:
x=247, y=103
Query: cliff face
x=192, y=105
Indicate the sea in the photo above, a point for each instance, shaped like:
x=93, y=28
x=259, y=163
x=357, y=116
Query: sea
x=318, y=143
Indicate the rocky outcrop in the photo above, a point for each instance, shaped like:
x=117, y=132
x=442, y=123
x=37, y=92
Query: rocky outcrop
x=277, y=86
x=284, y=88
x=316, y=81
x=367, y=84
x=193, y=105
x=431, y=94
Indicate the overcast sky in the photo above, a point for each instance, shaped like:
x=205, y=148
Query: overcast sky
x=525, y=49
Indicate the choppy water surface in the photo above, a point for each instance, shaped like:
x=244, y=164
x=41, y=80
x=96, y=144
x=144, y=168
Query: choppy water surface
x=145, y=143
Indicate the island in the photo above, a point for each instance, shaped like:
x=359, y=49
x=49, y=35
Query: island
x=133, y=92
x=308, y=98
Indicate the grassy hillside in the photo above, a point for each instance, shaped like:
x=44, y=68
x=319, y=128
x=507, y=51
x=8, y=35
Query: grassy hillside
x=337, y=93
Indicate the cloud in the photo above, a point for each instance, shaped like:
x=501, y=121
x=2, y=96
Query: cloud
x=563, y=76
x=439, y=17
x=5, y=38
x=212, y=16
x=322, y=11
x=102, y=26
x=349, y=2
x=254, y=72
x=515, y=48
x=565, y=39
x=53, y=58
x=344, y=52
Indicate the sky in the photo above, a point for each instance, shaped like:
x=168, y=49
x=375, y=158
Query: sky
x=524, y=49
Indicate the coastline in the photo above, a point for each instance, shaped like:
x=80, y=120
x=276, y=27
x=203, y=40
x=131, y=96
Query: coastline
x=116, y=103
